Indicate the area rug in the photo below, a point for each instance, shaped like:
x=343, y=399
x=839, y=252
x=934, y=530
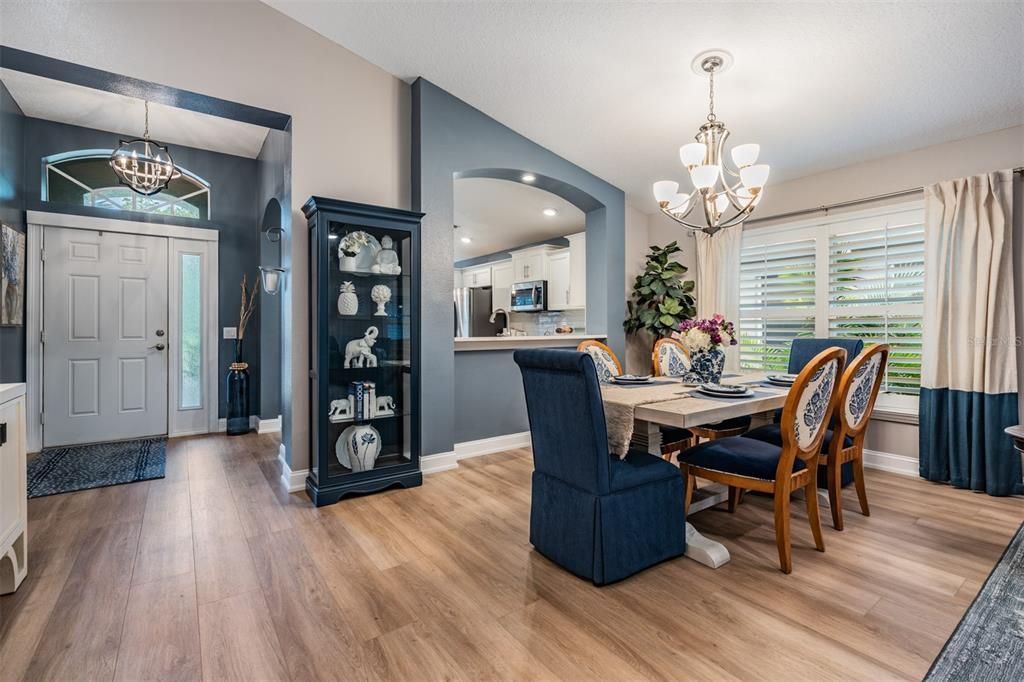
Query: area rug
x=80, y=467
x=988, y=644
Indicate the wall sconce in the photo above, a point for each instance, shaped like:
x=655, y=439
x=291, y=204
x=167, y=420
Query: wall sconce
x=271, y=278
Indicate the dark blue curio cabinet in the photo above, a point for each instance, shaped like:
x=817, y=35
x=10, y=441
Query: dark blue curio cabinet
x=364, y=348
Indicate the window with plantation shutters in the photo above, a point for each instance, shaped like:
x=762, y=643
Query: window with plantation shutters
x=777, y=300
x=858, y=275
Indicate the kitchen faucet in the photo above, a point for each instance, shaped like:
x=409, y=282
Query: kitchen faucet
x=505, y=331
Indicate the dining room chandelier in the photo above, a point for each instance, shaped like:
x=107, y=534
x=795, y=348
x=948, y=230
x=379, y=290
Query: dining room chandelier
x=727, y=196
x=143, y=165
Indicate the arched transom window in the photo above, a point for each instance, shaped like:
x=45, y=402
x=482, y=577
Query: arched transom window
x=84, y=178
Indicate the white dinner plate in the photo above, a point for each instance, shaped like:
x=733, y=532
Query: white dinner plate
x=631, y=379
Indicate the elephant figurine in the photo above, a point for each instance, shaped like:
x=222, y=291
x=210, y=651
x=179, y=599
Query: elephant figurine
x=359, y=352
x=385, y=406
x=340, y=409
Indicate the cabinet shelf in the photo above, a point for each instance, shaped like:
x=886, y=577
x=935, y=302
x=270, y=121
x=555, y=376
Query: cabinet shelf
x=394, y=447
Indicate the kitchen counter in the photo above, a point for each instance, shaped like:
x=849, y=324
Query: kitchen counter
x=512, y=342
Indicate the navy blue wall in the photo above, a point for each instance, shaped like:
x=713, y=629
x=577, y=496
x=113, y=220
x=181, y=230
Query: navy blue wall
x=234, y=213
x=12, y=212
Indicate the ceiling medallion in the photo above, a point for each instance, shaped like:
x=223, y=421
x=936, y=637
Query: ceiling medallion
x=143, y=165
x=726, y=196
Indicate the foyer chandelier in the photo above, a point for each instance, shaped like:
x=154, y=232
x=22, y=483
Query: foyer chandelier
x=726, y=196
x=143, y=165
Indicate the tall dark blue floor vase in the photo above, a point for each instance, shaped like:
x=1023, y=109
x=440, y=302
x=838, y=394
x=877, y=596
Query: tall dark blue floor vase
x=237, y=384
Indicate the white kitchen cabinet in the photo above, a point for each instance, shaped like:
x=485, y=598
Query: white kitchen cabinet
x=13, y=496
x=477, y=277
x=502, y=277
x=458, y=279
x=577, y=270
x=529, y=265
x=559, y=280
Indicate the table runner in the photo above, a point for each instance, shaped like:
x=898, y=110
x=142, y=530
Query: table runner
x=620, y=404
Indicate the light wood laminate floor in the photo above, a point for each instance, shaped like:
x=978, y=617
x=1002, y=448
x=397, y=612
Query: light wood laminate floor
x=215, y=573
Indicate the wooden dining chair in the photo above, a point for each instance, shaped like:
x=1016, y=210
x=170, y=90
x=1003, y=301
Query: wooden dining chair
x=751, y=464
x=671, y=358
x=673, y=440
x=858, y=392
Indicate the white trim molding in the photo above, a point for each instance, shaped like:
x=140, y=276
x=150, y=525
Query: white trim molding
x=293, y=481
x=895, y=464
x=222, y=423
x=268, y=425
x=82, y=222
x=438, y=462
x=489, y=446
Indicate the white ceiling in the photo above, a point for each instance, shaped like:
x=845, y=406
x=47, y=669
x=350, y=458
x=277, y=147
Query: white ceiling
x=54, y=100
x=609, y=86
x=499, y=215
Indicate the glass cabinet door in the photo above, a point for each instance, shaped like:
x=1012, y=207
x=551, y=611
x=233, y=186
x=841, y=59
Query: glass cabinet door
x=369, y=348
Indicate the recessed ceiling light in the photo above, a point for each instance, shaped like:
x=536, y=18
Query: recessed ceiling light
x=550, y=212
x=466, y=240
x=529, y=177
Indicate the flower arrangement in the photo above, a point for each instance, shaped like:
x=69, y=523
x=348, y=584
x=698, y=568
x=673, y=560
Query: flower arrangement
x=705, y=334
x=352, y=243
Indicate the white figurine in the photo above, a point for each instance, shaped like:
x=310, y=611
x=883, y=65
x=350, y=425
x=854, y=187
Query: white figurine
x=359, y=352
x=387, y=260
x=340, y=409
x=385, y=406
x=380, y=294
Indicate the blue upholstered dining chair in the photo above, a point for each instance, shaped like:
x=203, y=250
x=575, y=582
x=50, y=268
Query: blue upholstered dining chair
x=593, y=514
x=843, y=447
x=750, y=464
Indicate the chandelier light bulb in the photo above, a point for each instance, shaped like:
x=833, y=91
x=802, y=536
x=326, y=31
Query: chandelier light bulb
x=679, y=203
x=692, y=154
x=744, y=155
x=754, y=177
x=704, y=177
x=665, y=191
x=721, y=202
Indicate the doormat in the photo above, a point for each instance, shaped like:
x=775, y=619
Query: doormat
x=80, y=467
x=988, y=644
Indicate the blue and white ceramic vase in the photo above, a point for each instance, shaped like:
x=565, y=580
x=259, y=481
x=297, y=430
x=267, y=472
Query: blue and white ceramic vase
x=358, y=447
x=708, y=365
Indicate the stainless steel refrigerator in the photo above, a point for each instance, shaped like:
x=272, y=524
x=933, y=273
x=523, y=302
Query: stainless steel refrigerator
x=473, y=312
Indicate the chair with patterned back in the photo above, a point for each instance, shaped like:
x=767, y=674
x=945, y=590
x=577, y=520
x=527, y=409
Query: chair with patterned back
x=857, y=394
x=607, y=364
x=671, y=359
x=751, y=464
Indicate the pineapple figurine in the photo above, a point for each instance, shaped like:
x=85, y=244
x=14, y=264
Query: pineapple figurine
x=348, y=302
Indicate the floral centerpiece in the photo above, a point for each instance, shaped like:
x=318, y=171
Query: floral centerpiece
x=705, y=338
x=349, y=247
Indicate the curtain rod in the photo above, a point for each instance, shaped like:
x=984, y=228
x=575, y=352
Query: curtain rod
x=853, y=202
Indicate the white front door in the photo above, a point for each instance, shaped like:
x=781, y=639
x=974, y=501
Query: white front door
x=104, y=336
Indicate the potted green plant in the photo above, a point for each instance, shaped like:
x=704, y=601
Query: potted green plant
x=661, y=300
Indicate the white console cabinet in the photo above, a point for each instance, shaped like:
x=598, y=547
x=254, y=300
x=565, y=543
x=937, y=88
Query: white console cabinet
x=13, y=491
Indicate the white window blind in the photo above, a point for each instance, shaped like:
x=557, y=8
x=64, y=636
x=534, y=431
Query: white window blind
x=860, y=275
x=777, y=300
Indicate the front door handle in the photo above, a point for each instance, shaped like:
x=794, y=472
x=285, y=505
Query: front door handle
x=158, y=346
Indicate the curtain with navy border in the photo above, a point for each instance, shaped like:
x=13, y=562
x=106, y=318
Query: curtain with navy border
x=969, y=364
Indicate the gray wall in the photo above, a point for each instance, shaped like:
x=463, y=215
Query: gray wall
x=274, y=196
x=451, y=138
x=234, y=211
x=12, y=213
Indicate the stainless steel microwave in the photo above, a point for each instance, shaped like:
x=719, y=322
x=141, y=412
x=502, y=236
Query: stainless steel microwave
x=529, y=297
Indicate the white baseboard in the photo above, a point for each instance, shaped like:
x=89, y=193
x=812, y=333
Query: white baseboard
x=268, y=425
x=293, y=481
x=222, y=423
x=488, y=446
x=441, y=461
x=896, y=464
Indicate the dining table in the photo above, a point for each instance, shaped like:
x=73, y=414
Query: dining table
x=654, y=406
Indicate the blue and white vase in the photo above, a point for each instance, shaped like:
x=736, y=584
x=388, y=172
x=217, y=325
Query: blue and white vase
x=358, y=447
x=708, y=365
